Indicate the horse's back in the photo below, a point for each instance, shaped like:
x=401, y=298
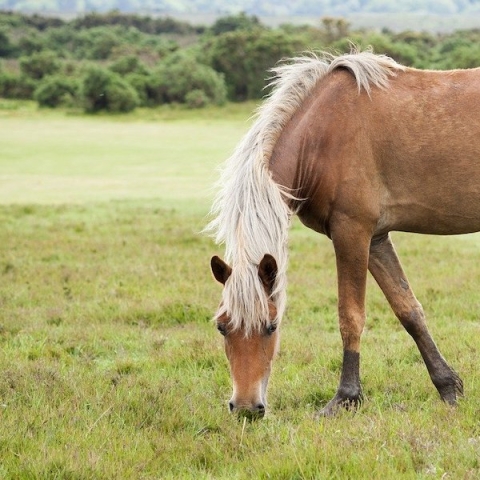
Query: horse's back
x=406, y=157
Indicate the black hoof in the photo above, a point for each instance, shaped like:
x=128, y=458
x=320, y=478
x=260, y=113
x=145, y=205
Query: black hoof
x=450, y=388
x=341, y=402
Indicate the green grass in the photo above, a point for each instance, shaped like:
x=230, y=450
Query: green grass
x=48, y=157
x=110, y=366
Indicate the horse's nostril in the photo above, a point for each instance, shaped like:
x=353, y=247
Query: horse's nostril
x=250, y=412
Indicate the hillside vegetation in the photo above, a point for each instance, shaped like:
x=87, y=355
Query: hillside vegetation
x=117, y=62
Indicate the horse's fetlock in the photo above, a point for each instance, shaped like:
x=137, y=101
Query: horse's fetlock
x=445, y=380
x=449, y=385
x=350, y=394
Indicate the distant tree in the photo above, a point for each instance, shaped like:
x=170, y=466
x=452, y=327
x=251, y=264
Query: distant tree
x=56, y=90
x=231, y=23
x=40, y=64
x=41, y=22
x=136, y=74
x=61, y=39
x=102, y=89
x=459, y=50
x=7, y=49
x=244, y=57
x=181, y=73
x=146, y=24
x=334, y=29
x=16, y=86
x=96, y=43
x=465, y=57
x=196, y=99
x=121, y=96
x=143, y=86
x=380, y=43
x=422, y=44
x=128, y=64
x=21, y=20
x=31, y=43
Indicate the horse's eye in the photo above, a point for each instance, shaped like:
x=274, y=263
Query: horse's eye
x=222, y=329
x=271, y=328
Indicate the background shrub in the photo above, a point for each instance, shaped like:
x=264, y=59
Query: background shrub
x=7, y=49
x=93, y=88
x=196, y=99
x=121, y=96
x=57, y=90
x=181, y=73
x=16, y=86
x=245, y=56
x=103, y=89
x=40, y=64
x=128, y=64
x=141, y=84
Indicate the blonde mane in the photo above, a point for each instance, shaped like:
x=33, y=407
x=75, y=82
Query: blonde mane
x=250, y=213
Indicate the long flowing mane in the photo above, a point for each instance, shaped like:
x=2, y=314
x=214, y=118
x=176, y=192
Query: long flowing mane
x=250, y=213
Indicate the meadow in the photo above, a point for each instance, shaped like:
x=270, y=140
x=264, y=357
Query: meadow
x=110, y=366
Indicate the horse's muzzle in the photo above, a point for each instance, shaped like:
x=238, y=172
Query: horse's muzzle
x=254, y=412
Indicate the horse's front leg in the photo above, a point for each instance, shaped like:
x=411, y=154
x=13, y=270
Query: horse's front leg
x=351, y=243
x=387, y=271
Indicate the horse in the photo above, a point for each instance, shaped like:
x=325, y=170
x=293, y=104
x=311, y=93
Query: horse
x=356, y=146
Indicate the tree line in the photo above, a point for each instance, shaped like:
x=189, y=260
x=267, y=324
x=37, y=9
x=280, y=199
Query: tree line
x=116, y=61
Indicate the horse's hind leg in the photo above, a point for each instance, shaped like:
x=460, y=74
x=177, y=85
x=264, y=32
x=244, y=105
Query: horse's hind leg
x=387, y=271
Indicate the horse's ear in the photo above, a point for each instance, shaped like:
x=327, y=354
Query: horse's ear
x=267, y=271
x=221, y=271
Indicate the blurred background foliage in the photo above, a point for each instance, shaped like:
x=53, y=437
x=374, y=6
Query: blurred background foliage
x=116, y=61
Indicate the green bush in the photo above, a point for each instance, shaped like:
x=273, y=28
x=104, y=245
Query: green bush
x=230, y=23
x=16, y=86
x=460, y=50
x=93, y=88
x=103, y=89
x=244, y=57
x=31, y=42
x=464, y=56
x=57, y=90
x=121, y=96
x=6, y=47
x=141, y=85
x=96, y=43
x=128, y=64
x=61, y=39
x=196, y=99
x=179, y=74
x=403, y=53
x=40, y=64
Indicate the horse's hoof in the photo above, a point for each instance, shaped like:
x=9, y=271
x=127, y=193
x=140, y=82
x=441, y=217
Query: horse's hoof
x=339, y=403
x=451, y=389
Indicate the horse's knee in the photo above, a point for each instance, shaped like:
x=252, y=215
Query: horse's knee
x=413, y=320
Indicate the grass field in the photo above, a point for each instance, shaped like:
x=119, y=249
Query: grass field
x=110, y=366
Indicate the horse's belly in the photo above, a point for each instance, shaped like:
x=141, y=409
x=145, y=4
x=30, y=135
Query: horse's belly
x=440, y=218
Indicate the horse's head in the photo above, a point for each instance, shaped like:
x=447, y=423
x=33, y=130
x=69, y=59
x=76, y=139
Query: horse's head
x=250, y=351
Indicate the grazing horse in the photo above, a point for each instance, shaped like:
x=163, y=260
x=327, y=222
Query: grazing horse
x=356, y=146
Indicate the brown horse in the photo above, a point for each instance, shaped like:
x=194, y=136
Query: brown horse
x=356, y=146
